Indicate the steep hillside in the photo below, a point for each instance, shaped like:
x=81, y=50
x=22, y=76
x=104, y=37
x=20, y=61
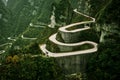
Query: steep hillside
x=4, y=22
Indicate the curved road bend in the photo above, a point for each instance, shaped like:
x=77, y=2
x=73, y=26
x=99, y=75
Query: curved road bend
x=37, y=26
x=51, y=54
x=27, y=38
x=64, y=29
x=5, y=44
x=2, y=51
x=9, y=38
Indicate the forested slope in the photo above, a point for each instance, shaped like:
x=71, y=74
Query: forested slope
x=17, y=15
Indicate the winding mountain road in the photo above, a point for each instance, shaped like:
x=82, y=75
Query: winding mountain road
x=5, y=44
x=63, y=29
x=28, y=38
x=13, y=39
x=37, y=25
x=2, y=51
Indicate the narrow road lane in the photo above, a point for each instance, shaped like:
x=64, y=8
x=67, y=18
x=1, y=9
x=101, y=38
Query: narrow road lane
x=63, y=29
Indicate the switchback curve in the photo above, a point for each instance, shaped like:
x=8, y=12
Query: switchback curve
x=63, y=29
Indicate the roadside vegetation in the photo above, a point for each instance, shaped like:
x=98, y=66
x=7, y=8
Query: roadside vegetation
x=19, y=61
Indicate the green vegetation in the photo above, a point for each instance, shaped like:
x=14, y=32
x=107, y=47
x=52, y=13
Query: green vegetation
x=4, y=17
x=31, y=46
x=28, y=68
x=35, y=32
x=18, y=63
x=105, y=63
x=106, y=11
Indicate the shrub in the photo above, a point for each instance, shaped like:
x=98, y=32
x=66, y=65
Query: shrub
x=29, y=68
